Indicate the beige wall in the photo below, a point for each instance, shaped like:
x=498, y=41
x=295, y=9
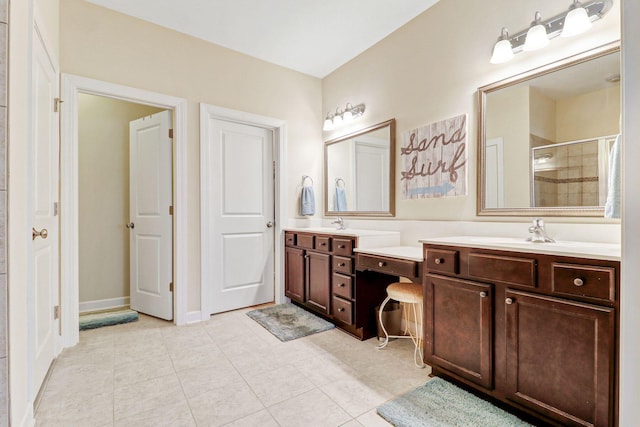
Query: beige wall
x=103, y=190
x=105, y=45
x=430, y=69
x=542, y=115
x=598, y=114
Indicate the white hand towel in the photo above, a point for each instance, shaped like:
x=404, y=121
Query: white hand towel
x=614, y=192
x=307, y=201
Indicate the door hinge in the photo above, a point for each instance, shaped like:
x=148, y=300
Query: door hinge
x=171, y=133
x=55, y=208
x=170, y=286
x=56, y=104
x=56, y=312
x=171, y=210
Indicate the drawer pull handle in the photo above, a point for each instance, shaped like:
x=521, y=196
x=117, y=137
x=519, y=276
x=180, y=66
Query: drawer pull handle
x=381, y=264
x=483, y=294
x=341, y=285
x=340, y=309
x=341, y=246
x=578, y=281
x=341, y=264
x=439, y=261
x=509, y=301
x=323, y=244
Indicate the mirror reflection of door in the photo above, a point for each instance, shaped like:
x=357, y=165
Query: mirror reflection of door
x=494, y=176
x=371, y=174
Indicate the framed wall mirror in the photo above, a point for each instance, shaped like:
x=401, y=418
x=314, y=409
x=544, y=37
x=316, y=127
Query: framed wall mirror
x=545, y=137
x=359, y=171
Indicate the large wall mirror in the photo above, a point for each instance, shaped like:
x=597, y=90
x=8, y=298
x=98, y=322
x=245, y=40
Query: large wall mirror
x=545, y=137
x=359, y=169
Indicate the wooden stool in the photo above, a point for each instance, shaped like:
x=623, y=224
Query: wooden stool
x=408, y=293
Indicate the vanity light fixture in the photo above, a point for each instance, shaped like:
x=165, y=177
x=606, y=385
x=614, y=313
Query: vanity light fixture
x=342, y=116
x=569, y=23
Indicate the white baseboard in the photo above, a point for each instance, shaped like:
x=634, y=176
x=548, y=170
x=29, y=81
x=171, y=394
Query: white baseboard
x=103, y=304
x=193, y=317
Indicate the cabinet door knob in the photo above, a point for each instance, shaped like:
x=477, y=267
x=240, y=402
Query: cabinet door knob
x=439, y=261
x=578, y=281
x=340, y=309
x=341, y=285
x=509, y=301
x=381, y=264
x=483, y=294
x=323, y=244
x=341, y=246
x=341, y=264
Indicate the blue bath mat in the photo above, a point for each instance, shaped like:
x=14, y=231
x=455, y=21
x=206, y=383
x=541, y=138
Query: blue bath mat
x=439, y=403
x=108, y=318
x=288, y=322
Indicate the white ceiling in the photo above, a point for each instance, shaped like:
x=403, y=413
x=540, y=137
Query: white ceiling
x=311, y=36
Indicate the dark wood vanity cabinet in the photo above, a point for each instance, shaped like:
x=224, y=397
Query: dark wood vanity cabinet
x=294, y=280
x=318, y=284
x=538, y=332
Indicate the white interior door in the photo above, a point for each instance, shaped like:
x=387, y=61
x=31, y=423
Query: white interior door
x=372, y=176
x=494, y=173
x=241, y=214
x=43, y=330
x=150, y=198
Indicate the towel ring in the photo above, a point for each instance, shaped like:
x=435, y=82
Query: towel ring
x=338, y=180
x=304, y=177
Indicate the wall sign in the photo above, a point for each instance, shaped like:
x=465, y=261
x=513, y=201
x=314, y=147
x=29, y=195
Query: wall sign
x=434, y=160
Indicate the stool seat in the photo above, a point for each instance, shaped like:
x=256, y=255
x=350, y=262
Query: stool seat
x=405, y=292
x=411, y=294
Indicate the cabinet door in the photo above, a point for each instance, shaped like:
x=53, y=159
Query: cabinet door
x=560, y=358
x=458, y=328
x=294, y=273
x=319, y=281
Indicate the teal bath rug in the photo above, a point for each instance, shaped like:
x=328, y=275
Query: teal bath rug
x=288, y=322
x=107, y=318
x=439, y=403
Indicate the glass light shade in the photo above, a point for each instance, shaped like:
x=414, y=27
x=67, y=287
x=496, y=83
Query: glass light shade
x=536, y=38
x=337, y=120
x=502, y=52
x=576, y=22
x=328, y=124
x=347, y=116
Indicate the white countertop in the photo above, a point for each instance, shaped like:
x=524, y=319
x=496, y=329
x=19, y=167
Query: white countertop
x=351, y=232
x=411, y=253
x=604, y=251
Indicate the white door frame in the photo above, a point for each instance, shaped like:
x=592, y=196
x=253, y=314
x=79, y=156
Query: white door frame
x=72, y=85
x=279, y=129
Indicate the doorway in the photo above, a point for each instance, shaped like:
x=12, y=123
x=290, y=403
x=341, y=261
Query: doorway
x=124, y=170
x=72, y=86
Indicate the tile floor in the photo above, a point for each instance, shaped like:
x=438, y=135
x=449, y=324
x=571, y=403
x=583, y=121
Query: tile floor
x=227, y=371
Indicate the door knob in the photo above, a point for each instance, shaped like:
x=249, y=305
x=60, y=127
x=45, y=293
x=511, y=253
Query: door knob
x=269, y=224
x=509, y=301
x=42, y=233
x=130, y=225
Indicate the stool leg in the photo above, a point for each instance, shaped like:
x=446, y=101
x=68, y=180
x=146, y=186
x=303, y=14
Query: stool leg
x=417, y=354
x=386, y=334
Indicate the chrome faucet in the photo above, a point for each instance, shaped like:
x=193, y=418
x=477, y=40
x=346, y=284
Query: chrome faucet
x=539, y=233
x=340, y=223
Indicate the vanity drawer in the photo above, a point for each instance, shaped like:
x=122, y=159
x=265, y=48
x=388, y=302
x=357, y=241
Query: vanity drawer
x=392, y=266
x=584, y=281
x=290, y=239
x=512, y=270
x=442, y=260
x=342, y=310
x=323, y=243
x=342, y=285
x=342, y=265
x=305, y=241
x=342, y=246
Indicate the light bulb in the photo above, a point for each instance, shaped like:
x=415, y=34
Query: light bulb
x=577, y=20
x=536, y=36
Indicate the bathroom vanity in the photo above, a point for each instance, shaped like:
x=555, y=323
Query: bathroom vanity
x=535, y=326
x=321, y=275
